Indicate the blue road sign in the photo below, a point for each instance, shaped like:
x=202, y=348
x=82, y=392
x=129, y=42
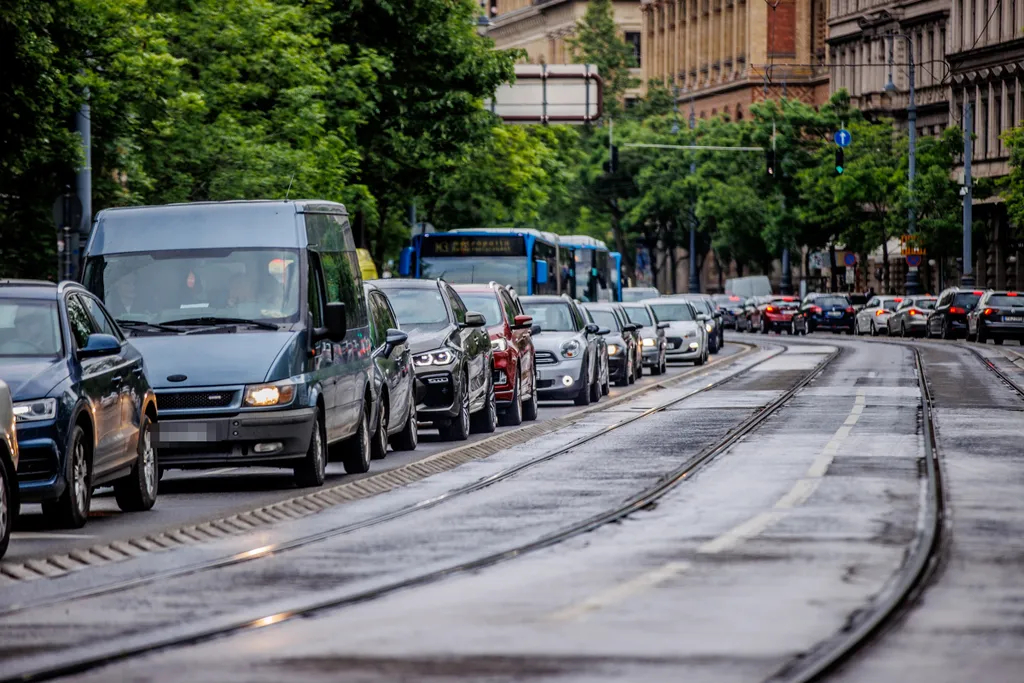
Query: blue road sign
x=850, y=260
x=843, y=137
x=913, y=260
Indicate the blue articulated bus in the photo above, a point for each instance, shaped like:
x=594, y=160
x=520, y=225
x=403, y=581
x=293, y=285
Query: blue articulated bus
x=598, y=271
x=529, y=261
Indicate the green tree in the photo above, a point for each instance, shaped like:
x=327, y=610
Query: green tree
x=598, y=41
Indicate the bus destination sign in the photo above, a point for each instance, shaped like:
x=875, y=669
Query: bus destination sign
x=473, y=245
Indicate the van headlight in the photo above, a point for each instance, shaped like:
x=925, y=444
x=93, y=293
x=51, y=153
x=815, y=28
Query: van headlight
x=266, y=395
x=499, y=344
x=435, y=357
x=570, y=349
x=32, y=411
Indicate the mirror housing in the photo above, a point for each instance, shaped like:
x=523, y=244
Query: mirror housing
x=522, y=322
x=702, y=317
x=474, y=319
x=638, y=326
x=394, y=338
x=591, y=328
x=336, y=324
x=603, y=331
x=98, y=345
x=534, y=329
x=663, y=326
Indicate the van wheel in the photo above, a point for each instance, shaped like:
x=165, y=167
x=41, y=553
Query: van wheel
x=458, y=428
x=379, y=443
x=409, y=437
x=137, y=491
x=356, y=458
x=513, y=415
x=72, y=508
x=485, y=420
x=313, y=468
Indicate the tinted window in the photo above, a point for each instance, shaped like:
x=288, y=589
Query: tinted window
x=874, y=303
x=831, y=301
x=891, y=305
x=927, y=304
x=379, y=319
x=1005, y=300
x=78, y=319
x=101, y=323
x=967, y=300
x=418, y=306
x=673, y=312
x=638, y=314
x=510, y=308
x=605, y=319
x=553, y=317
x=458, y=307
x=315, y=294
x=29, y=328
x=485, y=303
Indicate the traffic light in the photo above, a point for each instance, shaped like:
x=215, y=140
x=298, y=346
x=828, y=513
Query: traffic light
x=840, y=166
x=612, y=165
x=769, y=157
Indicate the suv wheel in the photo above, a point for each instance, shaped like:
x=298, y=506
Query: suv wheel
x=71, y=510
x=409, y=437
x=486, y=419
x=458, y=428
x=6, y=506
x=530, y=407
x=137, y=491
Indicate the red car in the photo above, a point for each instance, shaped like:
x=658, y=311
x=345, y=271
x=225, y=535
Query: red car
x=514, y=366
x=780, y=314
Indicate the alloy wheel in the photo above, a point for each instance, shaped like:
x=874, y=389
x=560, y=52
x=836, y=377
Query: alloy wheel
x=79, y=479
x=150, y=476
x=5, y=504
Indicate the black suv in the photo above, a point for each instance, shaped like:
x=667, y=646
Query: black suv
x=999, y=315
x=451, y=354
x=949, y=319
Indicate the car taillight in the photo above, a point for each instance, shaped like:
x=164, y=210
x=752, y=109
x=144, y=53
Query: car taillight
x=913, y=311
x=815, y=309
x=898, y=299
x=1011, y=294
x=849, y=309
x=977, y=293
x=989, y=311
x=769, y=309
x=957, y=309
x=880, y=311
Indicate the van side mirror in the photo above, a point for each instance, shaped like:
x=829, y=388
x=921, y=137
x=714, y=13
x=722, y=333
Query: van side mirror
x=336, y=325
x=99, y=345
x=394, y=338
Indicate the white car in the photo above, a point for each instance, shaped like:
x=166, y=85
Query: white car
x=8, y=468
x=873, y=319
x=686, y=337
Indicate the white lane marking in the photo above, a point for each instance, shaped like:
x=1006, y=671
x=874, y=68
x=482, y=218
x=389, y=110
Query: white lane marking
x=46, y=536
x=750, y=528
x=799, y=494
x=621, y=592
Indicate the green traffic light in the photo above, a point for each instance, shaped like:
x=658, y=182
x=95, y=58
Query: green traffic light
x=839, y=170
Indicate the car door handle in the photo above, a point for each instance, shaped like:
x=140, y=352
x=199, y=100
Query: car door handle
x=137, y=370
x=117, y=380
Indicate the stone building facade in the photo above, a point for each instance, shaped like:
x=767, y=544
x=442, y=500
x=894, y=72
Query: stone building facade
x=728, y=54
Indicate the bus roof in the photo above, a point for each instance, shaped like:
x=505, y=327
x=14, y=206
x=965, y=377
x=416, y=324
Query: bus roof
x=583, y=241
x=547, y=236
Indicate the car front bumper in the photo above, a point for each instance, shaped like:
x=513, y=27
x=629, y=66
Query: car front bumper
x=40, y=462
x=561, y=380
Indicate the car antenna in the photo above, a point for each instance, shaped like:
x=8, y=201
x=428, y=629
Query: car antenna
x=289, y=191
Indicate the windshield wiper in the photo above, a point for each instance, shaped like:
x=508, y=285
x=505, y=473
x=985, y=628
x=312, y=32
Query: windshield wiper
x=215, y=320
x=142, y=323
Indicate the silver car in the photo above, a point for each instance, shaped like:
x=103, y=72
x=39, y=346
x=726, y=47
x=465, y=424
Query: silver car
x=652, y=335
x=873, y=319
x=686, y=337
x=8, y=468
x=707, y=312
x=567, y=350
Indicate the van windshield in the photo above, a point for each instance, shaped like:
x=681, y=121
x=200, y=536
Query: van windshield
x=164, y=286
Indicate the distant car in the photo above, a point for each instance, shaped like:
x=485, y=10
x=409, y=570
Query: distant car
x=781, y=314
x=84, y=410
x=743, y=317
x=624, y=359
x=873, y=319
x=451, y=352
x=652, y=335
x=731, y=307
x=949, y=319
x=568, y=350
x=999, y=315
x=8, y=468
x=829, y=312
x=686, y=336
x=394, y=379
x=711, y=316
x=911, y=316
x=512, y=351
x=639, y=293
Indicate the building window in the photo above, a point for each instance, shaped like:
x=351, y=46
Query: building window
x=997, y=105
x=983, y=128
x=633, y=39
x=1011, y=109
x=739, y=112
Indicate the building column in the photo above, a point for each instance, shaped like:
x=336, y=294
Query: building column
x=700, y=43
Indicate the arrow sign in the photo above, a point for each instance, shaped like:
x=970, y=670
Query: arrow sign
x=843, y=137
x=850, y=260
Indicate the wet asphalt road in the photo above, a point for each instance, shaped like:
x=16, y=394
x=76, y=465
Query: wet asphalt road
x=195, y=496
x=731, y=577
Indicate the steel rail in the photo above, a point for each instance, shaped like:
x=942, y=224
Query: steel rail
x=184, y=635
x=865, y=625
x=1009, y=381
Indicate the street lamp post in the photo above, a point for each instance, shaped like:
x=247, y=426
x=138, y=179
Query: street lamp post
x=913, y=277
x=694, y=284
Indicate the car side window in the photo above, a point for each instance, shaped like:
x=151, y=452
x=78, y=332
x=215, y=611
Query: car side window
x=458, y=307
x=315, y=294
x=577, y=316
x=510, y=308
x=874, y=303
x=379, y=322
x=79, y=321
x=101, y=321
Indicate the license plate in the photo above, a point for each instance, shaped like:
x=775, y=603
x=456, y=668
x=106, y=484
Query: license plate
x=1013, y=319
x=835, y=314
x=191, y=432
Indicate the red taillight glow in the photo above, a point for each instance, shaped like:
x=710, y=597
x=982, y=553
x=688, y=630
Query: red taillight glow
x=914, y=311
x=880, y=312
x=957, y=309
x=898, y=299
x=769, y=309
x=815, y=309
x=1011, y=294
x=849, y=309
x=977, y=293
x=989, y=311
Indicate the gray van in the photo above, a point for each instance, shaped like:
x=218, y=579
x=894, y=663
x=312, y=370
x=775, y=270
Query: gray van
x=252, y=322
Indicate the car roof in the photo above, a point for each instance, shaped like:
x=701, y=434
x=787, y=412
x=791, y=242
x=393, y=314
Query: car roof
x=405, y=282
x=601, y=305
x=28, y=289
x=475, y=288
x=545, y=299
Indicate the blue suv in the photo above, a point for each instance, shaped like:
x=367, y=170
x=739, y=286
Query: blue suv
x=84, y=411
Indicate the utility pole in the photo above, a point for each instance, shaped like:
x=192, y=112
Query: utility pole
x=967, y=274
x=913, y=277
x=83, y=187
x=694, y=284
x=786, y=283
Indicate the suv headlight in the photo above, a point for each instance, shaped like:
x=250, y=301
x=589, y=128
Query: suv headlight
x=436, y=357
x=571, y=349
x=499, y=344
x=32, y=411
x=613, y=349
x=648, y=342
x=266, y=395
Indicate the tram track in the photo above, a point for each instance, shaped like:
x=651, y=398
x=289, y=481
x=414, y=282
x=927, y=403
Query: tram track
x=77, y=659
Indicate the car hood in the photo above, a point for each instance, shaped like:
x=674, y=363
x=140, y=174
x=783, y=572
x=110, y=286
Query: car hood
x=30, y=378
x=211, y=359
x=678, y=328
x=427, y=338
x=552, y=341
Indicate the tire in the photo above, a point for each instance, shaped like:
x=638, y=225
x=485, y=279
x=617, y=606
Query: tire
x=7, y=511
x=485, y=420
x=530, y=407
x=980, y=336
x=947, y=332
x=583, y=396
x=849, y=332
x=409, y=437
x=458, y=428
x=663, y=368
x=874, y=329
x=379, y=443
x=656, y=369
x=596, y=390
x=903, y=330
x=137, y=492
x=71, y=510
x=701, y=359
x=313, y=468
x=513, y=415
x=764, y=327
x=356, y=458
x=606, y=385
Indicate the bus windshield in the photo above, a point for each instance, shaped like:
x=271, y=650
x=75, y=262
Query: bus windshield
x=507, y=270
